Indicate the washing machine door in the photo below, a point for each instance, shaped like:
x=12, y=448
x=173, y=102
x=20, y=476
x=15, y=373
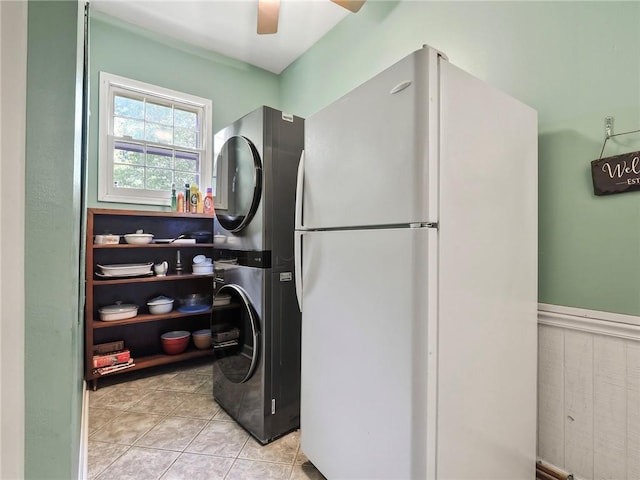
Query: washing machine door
x=240, y=159
x=237, y=361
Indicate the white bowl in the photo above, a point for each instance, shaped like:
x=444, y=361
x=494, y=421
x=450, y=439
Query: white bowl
x=202, y=268
x=199, y=259
x=160, y=305
x=138, y=238
x=119, y=311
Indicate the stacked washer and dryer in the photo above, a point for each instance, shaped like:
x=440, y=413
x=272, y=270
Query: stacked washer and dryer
x=256, y=376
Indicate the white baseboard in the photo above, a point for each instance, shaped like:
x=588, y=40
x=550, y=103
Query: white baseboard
x=83, y=461
x=553, y=467
x=591, y=321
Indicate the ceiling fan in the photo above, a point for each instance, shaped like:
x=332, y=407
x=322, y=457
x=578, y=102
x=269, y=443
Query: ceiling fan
x=268, y=13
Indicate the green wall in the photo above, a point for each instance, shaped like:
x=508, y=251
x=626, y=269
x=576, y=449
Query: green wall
x=234, y=87
x=53, y=342
x=574, y=62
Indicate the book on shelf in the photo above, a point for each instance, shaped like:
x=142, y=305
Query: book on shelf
x=104, y=348
x=111, y=358
x=114, y=368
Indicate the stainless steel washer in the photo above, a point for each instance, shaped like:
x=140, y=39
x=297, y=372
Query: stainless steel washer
x=257, y=379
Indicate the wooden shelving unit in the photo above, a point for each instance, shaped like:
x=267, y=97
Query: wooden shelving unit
x=141, y=334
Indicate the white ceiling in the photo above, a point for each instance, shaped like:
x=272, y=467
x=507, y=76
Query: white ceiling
x=229, y=26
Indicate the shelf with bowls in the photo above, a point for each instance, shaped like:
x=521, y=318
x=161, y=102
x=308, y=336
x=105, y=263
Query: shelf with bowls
x=153, y=245
x=163, y=359
x=166, y=272
x=171, y=277
x=147, y=317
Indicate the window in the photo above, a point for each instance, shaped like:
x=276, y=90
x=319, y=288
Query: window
x=150, y=138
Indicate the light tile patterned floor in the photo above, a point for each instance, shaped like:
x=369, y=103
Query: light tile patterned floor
x=165, y=425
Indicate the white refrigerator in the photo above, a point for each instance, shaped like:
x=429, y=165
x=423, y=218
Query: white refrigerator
x=416, y=274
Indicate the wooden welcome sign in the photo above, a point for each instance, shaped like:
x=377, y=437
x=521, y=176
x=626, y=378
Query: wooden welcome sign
x=617, y=174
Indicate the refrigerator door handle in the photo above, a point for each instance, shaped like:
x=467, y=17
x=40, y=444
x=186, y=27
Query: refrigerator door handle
x=297, y=266
x=299, y=192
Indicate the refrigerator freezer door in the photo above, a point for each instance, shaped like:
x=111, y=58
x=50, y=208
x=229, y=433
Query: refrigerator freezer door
x=364, y=353
x=368, y=155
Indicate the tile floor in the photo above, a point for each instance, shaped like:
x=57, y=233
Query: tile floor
x=165, y=425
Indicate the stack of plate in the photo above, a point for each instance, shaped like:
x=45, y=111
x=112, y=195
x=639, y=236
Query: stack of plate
x=225, y=264
x=125, y=270
x=202, y=265
x=221, y=299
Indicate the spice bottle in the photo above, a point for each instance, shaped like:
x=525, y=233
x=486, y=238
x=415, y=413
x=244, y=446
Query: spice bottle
x=200, y=203
x=208, y=202
x=180, y=202
x=193, y=199
x=174, y=200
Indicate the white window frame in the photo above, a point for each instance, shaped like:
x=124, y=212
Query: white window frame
x=107, y=191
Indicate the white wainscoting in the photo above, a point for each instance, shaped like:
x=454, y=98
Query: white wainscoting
x=83, y=456
x=589, y=392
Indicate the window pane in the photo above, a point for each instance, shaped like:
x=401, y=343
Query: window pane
x=186, y=165
x=185, y=138
x=185, y=119
x=183, y=177
x=128, y=157
x=126, y=127
x=161, y=114
x=159, y=179
x=128, y=107
x=127, y=176
x=159, y=134
x=159, y=159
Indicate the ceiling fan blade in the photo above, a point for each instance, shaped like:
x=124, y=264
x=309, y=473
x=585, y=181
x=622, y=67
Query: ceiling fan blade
x=351, y=5
x=268, y=16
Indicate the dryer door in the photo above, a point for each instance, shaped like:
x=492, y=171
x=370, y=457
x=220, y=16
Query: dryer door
x=239, y=161
x=235, y=340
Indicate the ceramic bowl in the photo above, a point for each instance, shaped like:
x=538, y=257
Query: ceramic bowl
x=138, y=238
x=198, y=259
x=202, y=268
x=175, y=342
x=202, y=338
x=119, y=311
x=160, y=305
